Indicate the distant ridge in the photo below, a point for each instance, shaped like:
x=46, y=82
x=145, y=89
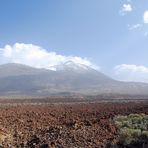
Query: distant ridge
x=65, y=79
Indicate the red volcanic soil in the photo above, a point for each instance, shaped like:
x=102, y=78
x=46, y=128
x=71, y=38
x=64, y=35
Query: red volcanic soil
x=61, y=125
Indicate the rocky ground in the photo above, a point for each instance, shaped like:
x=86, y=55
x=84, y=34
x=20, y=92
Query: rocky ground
x=62, y=126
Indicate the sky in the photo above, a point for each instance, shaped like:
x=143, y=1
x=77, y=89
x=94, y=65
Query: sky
x=110, y=36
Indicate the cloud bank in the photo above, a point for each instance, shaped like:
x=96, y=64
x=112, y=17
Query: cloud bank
x=135, y=73
x=36, y=56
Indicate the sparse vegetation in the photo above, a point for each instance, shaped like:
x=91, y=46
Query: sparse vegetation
x=133, y=128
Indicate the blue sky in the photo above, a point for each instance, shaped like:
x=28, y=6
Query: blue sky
x=110, y=34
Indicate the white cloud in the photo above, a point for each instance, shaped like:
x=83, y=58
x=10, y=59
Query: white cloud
x=126, y=8
x=145, y=17
x=36, y=56
x=135, y=73
x=133, y=27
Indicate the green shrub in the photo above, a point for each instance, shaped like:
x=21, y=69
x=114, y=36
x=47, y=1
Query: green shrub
x=132, y=127
x=145, y=133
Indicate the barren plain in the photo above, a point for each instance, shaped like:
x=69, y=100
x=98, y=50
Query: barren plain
x=71, y=125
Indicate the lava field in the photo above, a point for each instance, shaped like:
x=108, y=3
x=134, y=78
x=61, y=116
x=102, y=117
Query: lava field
x=76, y=125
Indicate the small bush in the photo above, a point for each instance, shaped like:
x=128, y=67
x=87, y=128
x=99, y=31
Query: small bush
x=132, y=127
x=145, y=133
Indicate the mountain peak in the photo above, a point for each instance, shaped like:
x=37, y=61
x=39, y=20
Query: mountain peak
x=70, y=65
x=69, y=77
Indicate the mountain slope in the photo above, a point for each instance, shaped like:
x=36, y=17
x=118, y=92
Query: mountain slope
x=66, y=78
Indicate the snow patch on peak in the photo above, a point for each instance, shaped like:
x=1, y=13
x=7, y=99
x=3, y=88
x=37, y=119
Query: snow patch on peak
x=75, y=65
x=70, y=65
x=53, y=68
